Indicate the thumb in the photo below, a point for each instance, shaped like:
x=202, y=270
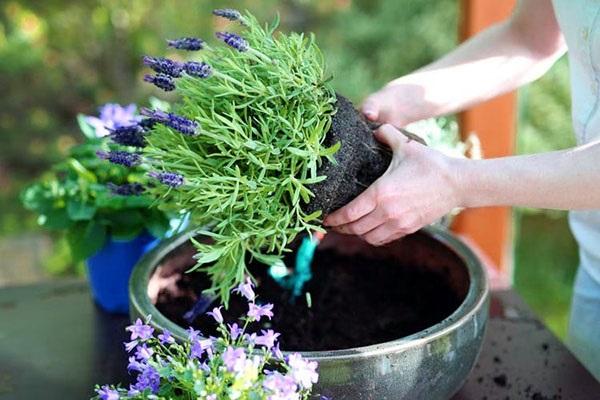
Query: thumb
x=371, y=107
x=390, y=136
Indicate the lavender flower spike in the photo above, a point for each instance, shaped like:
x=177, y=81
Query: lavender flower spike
x=168, y=178
x=127, y=189
x=120, y=157
x=161, y=81
x=187, y=43
x=163, y=66
x=228, y=13
x=181, y=124
x=131, y=135
x=233, y=40
x=198, y=69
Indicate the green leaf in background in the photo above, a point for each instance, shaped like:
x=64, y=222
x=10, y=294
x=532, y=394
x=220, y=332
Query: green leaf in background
x=86, y=128
x=85, y=239
x=80, y=210
x=156, y=223
x=56, y=218
x=125, y=224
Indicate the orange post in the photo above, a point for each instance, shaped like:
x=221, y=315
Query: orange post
x=494, y=122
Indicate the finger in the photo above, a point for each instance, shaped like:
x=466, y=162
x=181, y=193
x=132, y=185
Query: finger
x=383, y=234
x=390, y=136
x=370, y=108
x=362, y=205
x=364, y=224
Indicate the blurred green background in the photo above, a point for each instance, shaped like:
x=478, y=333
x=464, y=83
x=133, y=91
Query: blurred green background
x=59, y=58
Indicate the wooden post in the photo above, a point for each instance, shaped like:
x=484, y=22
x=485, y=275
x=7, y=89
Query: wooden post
x=494, y=122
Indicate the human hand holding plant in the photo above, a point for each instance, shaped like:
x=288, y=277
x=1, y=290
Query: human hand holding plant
x=419, y=187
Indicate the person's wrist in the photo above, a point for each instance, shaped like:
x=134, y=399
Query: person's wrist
x=462, y=182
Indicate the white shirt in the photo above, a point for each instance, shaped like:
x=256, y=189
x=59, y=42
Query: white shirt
x=579, y=21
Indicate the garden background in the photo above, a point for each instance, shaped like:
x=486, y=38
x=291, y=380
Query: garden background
x=59, y=58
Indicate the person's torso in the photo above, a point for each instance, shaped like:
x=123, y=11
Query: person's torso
x=579, y=21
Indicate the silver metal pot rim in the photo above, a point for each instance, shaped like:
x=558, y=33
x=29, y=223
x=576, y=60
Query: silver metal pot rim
x=474, y=300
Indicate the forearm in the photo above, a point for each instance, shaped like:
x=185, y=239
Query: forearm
x=496, y=61
x=567, y=179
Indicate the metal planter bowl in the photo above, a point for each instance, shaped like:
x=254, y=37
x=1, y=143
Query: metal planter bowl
x=430, y=364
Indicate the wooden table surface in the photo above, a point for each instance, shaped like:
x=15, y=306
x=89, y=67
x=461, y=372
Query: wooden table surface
x=55, y=344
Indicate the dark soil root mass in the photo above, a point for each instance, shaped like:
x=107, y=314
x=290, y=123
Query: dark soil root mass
x=356, y=301
x=360, y=160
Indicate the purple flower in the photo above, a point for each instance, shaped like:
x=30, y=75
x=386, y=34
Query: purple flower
x=131, y=345
x=140, y=330
x=304, y=372
x=163, y=66
x=234, y=330
x=228, y=13
x=132, y=392
x=135, y=365
x=234, y=359
x=148, y=379
x=198, y=69
x=147, y=124
x=167, y=178
x=106, y=393
x=193, y=334
x=187, y=43
x=120, y=157
x=282, y=387
x=216, y=314
x=276, y=351
x=200, y=346
x=161, y=81
x=181, y=124
x=267, y=338
x=256, y=312
x=246, y=290
x=211, y=397
x=130, y=135
x=233, y=40
x=143, y=353
x=127, y=189
x=166, y=338
x=112, y=116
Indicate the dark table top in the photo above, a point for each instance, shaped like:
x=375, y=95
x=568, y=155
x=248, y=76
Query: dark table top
x=55, y=344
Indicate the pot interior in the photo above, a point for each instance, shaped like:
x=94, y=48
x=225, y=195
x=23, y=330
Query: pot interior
x=359, y=294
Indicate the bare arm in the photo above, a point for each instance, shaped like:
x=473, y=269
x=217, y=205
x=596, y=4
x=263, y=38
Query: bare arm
x=499, y=59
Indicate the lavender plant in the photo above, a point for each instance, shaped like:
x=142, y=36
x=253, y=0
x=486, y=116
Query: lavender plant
x=243, y=143
x=236, y=365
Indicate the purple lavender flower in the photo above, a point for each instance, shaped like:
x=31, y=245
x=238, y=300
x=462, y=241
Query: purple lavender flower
x=187, y=43
x=161, y=81
x=106, y=393
x=216, y=314
x=163, y=65
x=139, y=330
x=233, y=40
x=281, y=386
x=267, y=338
x=167, y=178
x=127, y=189
x=228, y=13
x=256, y=312
x=147, y=124
x=234, y=330
x=234, y=359
x=197, y=69
x=112, y=116
x=246, y=289
x=120, y=157
x=179, y=123
x=130, y=135
x=304, y=372
x=148, y=379
x=166, y=337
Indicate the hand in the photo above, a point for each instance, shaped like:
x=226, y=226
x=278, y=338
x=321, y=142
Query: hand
x=397, y=103
x=419, y=187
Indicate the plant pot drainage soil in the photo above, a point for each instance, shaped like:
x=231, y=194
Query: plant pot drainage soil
x=357, y=300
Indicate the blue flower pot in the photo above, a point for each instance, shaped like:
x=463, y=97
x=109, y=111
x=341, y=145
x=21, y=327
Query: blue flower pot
x=109, y=270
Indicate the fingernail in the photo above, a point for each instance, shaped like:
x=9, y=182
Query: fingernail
x=370, y=114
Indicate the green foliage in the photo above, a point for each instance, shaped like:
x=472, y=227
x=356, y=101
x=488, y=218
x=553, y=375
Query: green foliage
x=262, y=116
x=73, y=198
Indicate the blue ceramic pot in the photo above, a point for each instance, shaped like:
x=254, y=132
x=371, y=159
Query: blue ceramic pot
x=109, y=270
